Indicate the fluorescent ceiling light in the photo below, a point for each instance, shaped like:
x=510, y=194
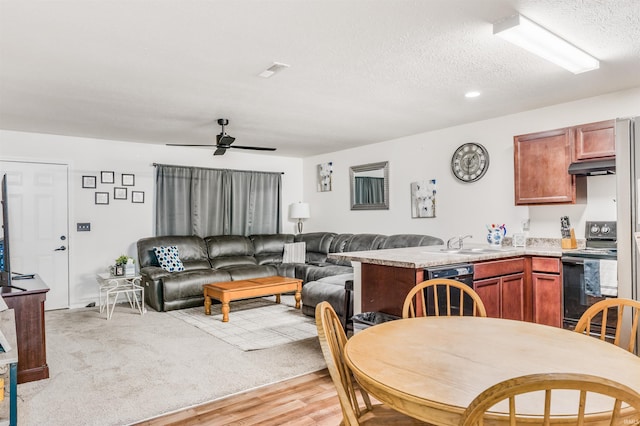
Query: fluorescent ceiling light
x=532, y=37
x=472, y=94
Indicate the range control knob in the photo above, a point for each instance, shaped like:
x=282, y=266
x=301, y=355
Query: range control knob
x=605, y=229
x=595, y=229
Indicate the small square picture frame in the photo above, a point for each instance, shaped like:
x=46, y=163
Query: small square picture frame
x=102, y=198
x=128, y=179
x=137, y=196
x=89, y=181
x=107, y=177
x=119, y=193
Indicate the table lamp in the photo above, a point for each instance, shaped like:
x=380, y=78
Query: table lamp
x=299, y=211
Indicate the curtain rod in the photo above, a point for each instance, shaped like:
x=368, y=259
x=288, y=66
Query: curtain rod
x=233, y=170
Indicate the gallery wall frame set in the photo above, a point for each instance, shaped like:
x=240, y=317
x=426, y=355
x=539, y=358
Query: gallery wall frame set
x=119, y=192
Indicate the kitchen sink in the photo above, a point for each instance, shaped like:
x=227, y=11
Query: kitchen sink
x=472, y=250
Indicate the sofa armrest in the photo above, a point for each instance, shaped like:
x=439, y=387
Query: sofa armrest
x=154, y=272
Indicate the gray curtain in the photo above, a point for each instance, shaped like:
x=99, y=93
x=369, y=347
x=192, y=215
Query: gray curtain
x=198, y=201
x=369, y=190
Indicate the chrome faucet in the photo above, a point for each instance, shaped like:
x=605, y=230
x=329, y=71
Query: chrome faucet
x=460, y=239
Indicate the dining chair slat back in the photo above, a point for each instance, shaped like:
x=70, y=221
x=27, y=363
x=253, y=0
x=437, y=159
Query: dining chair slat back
x=480, y=409
x=332, y=341
x=415, y=304
x=602, y=310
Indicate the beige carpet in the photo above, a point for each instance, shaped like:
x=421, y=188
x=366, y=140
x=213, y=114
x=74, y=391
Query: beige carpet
x=134, y=367
x=254, y=324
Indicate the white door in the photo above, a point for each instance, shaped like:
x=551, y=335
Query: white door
x=37, y=202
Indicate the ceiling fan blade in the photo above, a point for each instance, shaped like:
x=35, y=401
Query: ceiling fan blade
x=220, y=151
x=182, y=144
x=224, y=139
x=255, y=148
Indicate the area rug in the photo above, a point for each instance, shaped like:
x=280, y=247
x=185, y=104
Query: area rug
x=254, y=324
x=132, y=367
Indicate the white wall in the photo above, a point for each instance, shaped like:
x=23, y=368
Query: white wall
x=116, y=227
x=464, y=208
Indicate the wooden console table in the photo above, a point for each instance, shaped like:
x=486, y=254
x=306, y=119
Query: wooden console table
x=29, y=312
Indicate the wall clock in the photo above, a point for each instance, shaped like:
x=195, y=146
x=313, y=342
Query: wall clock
x=470, y=162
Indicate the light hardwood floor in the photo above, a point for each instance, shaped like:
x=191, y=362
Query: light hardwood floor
x=306, y=400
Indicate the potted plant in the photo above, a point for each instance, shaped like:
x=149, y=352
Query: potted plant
x=124, y=266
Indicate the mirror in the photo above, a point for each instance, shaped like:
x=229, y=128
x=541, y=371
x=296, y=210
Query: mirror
x=370, y=186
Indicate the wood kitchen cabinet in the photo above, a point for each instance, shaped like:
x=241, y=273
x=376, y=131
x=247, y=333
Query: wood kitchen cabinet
x=541, y=161
x=594, y=141
x=546, y=282
x=501, y=287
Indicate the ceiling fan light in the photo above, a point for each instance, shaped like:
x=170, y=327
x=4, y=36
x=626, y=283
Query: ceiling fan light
x=530, y=36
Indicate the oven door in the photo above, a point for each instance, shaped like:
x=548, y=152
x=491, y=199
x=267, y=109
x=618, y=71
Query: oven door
x=577, y=300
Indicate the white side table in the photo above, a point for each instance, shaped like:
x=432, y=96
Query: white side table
x=112, y=286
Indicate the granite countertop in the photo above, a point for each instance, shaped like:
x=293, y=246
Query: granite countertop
x=421, y=257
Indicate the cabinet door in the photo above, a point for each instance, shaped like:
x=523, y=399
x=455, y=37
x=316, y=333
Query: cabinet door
x=547, y=299
x=594, y=141
x=512, y=297
x=489, y=292
x=541, y=161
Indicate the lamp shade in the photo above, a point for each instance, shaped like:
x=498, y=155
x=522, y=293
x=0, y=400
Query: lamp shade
x=299, y=211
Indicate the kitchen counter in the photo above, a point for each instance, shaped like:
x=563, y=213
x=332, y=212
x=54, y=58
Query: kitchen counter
x=422, y=257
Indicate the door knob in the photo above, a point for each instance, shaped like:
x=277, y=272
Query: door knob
x=61, y=248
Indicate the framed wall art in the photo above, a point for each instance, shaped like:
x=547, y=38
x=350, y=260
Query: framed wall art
x=423, y=198
x=88, y=181
x=325, y=177
x=128, y=180
x=107, y=177
x=102, y=198
x=137, y=196
x=119, y=193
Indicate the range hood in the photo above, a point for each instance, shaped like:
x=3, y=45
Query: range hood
x=593, y=168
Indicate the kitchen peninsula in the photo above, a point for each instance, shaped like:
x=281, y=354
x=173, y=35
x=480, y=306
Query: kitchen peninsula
x=516, y=283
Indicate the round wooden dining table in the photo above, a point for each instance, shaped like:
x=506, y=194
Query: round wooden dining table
x=432, y=368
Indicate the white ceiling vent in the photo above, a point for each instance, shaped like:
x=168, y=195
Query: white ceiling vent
x=276, y=67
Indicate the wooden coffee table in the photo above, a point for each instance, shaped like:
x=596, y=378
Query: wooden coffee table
x=227, y=291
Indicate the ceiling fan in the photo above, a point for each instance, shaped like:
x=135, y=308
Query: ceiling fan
x=224, y=141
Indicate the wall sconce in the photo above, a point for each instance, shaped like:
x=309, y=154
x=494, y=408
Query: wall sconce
x=530, y=36
x=299, y=211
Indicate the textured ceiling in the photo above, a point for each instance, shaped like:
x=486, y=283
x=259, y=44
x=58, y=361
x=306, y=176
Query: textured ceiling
x=361, y=71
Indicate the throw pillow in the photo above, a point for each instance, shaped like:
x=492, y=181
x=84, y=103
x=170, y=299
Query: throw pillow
x=168, y=258
x=294, y=252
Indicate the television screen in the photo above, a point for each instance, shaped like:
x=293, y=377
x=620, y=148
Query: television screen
x=5, y=271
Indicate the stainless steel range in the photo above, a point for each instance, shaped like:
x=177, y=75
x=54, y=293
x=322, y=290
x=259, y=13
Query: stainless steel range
x=590, y=274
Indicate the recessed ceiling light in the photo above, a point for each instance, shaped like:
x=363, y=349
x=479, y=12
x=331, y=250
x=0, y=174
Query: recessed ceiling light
x=276, y=67
x=472, y=94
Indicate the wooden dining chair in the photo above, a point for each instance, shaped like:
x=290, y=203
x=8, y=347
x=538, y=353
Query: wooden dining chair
x=332, y=341
x=601, y=310
x=438, y=289
x=479, y=411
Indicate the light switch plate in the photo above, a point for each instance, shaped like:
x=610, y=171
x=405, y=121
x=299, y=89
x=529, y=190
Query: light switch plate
x=84, y=227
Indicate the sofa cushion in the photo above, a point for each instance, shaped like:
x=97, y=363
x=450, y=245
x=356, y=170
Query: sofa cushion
x=248, y=272
x=409, y=240
x=315, y=292
x=315, y=273
x=169, y=258
x=188, y=284
x=230, y=250
x=318, y=244
x=269, y=248
x=358, y=242
x=190, y=248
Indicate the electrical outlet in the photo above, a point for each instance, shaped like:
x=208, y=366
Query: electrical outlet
x=525, y=224
x=84, y=227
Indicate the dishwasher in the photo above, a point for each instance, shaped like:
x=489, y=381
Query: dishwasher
x=462, y=272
